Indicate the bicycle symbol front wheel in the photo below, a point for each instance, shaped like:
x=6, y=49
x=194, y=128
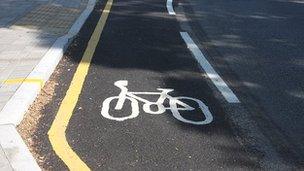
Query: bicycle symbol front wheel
x=204, y=109
x=106, y=106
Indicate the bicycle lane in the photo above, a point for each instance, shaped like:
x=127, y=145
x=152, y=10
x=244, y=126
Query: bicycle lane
x=141, y=44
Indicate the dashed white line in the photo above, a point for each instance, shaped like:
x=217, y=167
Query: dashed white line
x=170, y=7
x=211, y=73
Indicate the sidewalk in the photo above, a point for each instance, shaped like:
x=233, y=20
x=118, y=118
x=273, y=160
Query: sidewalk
x=28, y=30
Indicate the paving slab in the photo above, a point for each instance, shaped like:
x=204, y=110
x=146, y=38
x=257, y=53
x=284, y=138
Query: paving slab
x=15, y=150
x=4, y=163
x=28, y=28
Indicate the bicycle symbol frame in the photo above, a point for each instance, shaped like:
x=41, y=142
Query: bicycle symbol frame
x=175, y=104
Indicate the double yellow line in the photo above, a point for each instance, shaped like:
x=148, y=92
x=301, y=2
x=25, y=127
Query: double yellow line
x=57, y=132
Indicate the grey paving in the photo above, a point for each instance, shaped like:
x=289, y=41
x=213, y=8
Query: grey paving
x=28, y=28
x=13, y=9
x=4, y=163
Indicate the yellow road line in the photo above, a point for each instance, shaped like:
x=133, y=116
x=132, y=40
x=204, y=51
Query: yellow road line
x=24, y=80
x=57, y=131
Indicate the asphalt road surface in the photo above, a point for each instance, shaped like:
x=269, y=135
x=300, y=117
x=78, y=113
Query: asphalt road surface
x=119, y=121
x=261, y=45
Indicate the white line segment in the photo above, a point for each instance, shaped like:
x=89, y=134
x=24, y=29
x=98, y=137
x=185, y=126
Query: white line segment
x=170, y=7
x=212, y=74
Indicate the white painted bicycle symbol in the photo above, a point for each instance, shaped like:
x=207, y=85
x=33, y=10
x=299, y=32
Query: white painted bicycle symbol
x=176, y=104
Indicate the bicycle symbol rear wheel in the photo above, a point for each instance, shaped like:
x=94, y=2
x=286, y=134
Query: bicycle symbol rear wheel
x=204, y=109
x=106, y=106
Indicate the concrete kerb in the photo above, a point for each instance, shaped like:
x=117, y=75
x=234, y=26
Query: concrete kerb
x=12, y=113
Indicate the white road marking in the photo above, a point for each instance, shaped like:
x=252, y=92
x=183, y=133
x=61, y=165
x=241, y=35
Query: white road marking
x=170, y=7
x=212, y=74
x=176, y=104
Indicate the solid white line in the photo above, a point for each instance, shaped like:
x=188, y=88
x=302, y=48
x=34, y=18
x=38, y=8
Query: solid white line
x=170, y=7
x=212, y=74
